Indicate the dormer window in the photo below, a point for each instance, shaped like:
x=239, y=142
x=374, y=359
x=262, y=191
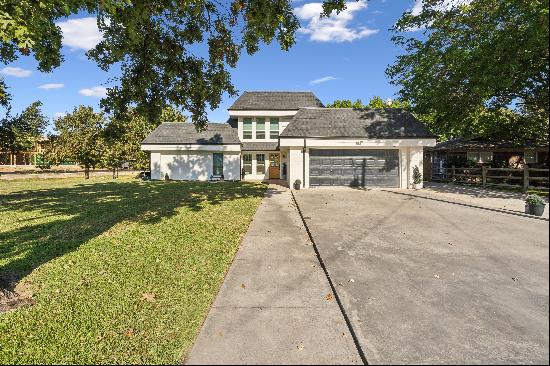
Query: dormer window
x=260, y=128
x=274, y=128
x=247, y=129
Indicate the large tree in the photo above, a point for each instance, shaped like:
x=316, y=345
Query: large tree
x=474, y=66
x=19, y=133
x=79, y=138
x=168, y=51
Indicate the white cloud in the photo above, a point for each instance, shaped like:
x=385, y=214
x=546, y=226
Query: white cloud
x=51, y=86
x=16, y=71
x=80, y=33
x=95, y=91
x=59, y=114
x=336, y=27
x=324, y=79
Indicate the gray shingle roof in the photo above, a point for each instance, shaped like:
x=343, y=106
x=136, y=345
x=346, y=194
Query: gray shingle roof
x=260, y=146
x=275, y=101
x=348, y=122
x=185, y=133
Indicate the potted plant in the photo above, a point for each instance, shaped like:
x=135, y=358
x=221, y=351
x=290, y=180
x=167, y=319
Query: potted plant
x=417, y=177
x=297, y=184
x=534, y=205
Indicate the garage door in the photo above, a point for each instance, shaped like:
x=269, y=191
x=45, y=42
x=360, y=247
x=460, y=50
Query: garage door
x=355, y=168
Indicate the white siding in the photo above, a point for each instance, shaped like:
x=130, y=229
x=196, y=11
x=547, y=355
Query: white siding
x=195, y=165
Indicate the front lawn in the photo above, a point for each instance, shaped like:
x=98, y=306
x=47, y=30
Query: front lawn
x=119, y=271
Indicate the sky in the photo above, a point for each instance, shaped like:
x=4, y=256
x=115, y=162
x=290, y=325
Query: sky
x=342, y=57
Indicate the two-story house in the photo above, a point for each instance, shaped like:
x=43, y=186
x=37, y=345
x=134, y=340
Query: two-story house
x=292, y=136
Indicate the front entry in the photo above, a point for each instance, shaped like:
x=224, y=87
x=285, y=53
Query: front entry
x=274, y=166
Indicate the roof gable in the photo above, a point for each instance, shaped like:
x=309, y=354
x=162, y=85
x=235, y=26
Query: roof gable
x=185, y=133
x=389, y=123
x=271, y=101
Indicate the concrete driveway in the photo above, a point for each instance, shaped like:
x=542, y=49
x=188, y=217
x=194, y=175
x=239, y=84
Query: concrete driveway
x=426, y=279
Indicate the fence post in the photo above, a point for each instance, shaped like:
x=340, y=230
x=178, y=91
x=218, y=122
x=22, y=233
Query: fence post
x=484, y=175
x=525, y=178
x=453, y=173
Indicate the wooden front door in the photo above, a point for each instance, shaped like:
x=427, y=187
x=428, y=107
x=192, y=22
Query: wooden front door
x=274, y=166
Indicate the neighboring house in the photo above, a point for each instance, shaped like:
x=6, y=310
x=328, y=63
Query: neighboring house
x=462, y=152
x=292, y=136
x=26, y=157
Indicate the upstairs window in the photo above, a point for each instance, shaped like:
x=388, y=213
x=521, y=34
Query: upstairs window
x=274, y=128
x=260, y=128
x=247, y=129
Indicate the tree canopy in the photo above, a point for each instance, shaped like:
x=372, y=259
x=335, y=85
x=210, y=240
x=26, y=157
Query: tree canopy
x=168, y=51
x=375, y=102
x=19, y=133
x=477, y=66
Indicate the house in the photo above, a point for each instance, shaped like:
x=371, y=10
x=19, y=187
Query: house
x=292, y=136
x=462, y=152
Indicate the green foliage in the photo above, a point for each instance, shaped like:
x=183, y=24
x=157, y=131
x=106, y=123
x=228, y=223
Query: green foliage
x=79, y=138
x=474, y=61
x=534, y=200
x=122, y=272
x=416, y=176
x=172, y=114
x=346, y=103
x=20, y=133
x=155, y=45
x=375, y=102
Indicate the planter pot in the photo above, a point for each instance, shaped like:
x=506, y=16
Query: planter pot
x=537, y=210
x=297, y=185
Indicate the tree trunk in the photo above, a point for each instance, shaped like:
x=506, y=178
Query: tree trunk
x=87, y=172
x=114, y=171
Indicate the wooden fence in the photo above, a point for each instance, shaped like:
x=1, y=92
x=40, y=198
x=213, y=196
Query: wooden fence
x=528, y=178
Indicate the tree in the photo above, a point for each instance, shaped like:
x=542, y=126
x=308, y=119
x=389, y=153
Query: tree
x=475, y=63
x=79, y=138
x=20, y=133
x=155, y=45
x=123, y=136
x=375, y=102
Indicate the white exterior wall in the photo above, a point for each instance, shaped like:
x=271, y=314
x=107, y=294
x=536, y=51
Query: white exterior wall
x=192, y=165
x=295, y=167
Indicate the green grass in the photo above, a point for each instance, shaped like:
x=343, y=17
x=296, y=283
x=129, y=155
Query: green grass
x=120, y=271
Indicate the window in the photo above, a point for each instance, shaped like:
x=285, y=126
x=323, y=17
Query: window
x=260, y=164
x=247, y=163
x=480, y=156
x=247, y=129
x=260, y=128
x=274, y=128
x=530, y=157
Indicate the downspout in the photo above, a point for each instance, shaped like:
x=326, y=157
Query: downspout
x=304, y=165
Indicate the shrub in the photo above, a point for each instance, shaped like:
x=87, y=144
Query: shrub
x=417, y=176
x=534, y=200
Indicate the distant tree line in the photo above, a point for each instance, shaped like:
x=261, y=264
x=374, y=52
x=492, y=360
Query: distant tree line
x=375, y=102
x=91, y=139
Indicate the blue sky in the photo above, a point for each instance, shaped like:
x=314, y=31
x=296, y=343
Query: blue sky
x=343, y=57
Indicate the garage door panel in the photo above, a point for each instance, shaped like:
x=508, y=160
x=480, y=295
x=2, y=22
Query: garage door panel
x=365, y=168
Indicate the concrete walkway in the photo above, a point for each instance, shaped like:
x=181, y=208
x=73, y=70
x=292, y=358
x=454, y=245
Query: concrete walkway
x=275, y=305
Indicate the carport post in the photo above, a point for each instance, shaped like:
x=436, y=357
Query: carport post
x=484, y=175
x=525, y=178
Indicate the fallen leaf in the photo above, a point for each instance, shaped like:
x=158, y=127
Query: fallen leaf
x=351, y=280
x=243, y=285
x=148, y=296
x=436, y=276
x=129, y=333
x=515, y=279
x=300, y=346
x=329, y=297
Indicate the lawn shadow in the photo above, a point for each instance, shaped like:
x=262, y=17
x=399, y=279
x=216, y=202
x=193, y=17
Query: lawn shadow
x=89, y=209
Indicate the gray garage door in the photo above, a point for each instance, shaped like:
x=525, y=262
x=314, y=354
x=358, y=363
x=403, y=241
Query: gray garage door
x=355, y=168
